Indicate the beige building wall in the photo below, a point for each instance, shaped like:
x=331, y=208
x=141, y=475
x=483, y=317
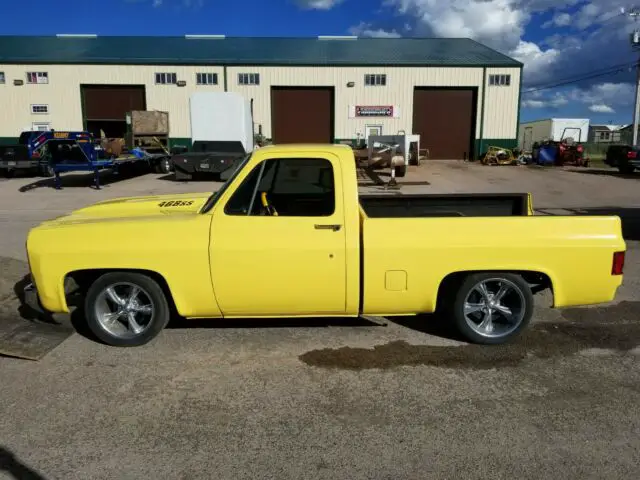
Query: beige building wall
x=397, y=92
x=62, y=94
x=501, y=105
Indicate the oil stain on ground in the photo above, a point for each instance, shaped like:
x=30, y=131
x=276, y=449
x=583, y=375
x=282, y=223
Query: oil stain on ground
x=612, y=328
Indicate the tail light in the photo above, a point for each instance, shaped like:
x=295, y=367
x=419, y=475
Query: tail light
x=632, y=154
x=618, y=263
x=35, y=155
x=579, y=149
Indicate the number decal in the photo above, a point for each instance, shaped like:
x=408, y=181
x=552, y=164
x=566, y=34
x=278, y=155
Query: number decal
x=176, y=203
x=60, y=134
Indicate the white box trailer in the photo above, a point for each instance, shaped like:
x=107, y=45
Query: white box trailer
x=221, y=117
x=221, y=135
x=552, y=129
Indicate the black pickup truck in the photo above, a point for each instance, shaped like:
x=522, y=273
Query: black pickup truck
x=213, y=158
x=625, y=158
x=16, y=157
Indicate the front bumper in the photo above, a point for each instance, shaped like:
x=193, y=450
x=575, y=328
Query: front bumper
x=18, y=164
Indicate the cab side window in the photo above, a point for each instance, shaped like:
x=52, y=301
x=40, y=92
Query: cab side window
x=298, y=187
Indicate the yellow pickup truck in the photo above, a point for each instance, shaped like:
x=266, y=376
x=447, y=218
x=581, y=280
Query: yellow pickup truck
x=289, y=236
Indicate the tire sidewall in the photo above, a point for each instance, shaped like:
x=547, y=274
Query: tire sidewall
x=157, y=296
x=165, y=166
x=457, y=310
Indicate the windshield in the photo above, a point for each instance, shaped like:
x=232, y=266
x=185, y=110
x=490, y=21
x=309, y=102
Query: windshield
x=211, y=201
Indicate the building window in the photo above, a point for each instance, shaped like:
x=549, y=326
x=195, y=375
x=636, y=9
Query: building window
x=41, y=127
x=166, y=78
x=2, y=78
x=605, y=135
x=206, y=78
x=249, y=79
x=37, y=77
x=375, y=80
x=39, y=108
x=500, y=80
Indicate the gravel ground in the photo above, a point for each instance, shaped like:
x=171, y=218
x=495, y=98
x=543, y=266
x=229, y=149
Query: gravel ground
x=333, y=399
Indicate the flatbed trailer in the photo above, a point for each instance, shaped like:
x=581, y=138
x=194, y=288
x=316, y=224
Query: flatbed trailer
x=96, y=166
x=69, y=151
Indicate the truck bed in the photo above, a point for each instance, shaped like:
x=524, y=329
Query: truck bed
x=446, y=205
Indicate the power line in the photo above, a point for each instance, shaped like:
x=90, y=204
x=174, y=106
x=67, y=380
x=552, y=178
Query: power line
x=579, y=76
x=589, y=76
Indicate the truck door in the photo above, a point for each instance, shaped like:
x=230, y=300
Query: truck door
x=278, y=245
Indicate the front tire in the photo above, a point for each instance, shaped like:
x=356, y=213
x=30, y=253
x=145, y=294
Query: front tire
x=126, y=309
x=492, y=308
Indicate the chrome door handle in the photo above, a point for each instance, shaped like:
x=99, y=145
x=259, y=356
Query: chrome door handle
x=335, y=228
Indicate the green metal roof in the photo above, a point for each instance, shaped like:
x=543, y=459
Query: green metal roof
x=138, y=50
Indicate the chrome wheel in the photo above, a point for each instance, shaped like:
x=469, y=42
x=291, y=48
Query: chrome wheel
x=124, y=310
x=494, y=307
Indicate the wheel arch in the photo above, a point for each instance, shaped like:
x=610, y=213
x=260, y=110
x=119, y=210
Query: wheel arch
x=538, y=281
x=79, y=281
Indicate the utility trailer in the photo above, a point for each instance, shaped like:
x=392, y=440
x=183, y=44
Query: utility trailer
x=69, y=151
x=148, y=136
x=222, y=134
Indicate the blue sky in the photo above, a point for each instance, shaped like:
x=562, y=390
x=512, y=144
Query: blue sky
x=558, y=40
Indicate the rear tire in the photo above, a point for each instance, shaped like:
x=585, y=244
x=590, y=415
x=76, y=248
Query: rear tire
x=164, y=166
x=626, y=169
x=401, y=171
x=111, y=302
x=489, y=318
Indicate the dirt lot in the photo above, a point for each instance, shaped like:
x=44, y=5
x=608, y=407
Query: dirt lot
x=340, y=399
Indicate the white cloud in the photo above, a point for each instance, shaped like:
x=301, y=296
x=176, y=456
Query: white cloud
x=605, y=93
x=600, y=98
x=559, y=20
x=534, y=104
x=536, y=61
x=366, y=30
x=601, y=108
x=556, y=100
x=593, y=36
x=318, y=4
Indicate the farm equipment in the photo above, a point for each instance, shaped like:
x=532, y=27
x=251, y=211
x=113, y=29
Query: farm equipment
x=390, y=151
x=560, y=153
x=499, y=156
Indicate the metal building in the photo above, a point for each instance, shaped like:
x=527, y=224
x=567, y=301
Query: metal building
x=459, y=95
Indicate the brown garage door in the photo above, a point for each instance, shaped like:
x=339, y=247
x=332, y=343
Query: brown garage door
x=111, y=102
x=445, y=120
x=302, y=115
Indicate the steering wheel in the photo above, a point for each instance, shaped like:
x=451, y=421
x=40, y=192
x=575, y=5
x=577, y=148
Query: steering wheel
x=269, y=209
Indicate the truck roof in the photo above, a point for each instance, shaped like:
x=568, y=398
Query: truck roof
x=307, y=147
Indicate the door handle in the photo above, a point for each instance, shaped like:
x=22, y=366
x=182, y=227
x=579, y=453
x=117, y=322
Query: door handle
x=335, y=228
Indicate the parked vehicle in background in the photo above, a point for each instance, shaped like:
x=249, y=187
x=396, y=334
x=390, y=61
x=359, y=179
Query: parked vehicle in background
x=289, y=236
x=625, y=158
x=22, y=157
x=221, y=132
